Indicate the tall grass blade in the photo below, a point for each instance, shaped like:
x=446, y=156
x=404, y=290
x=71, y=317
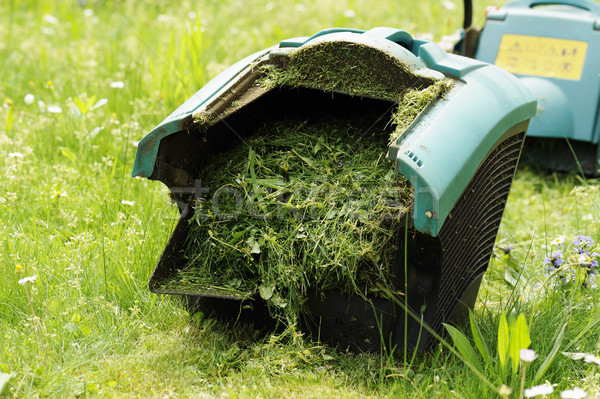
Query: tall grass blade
x=582, y=333
x=502, y=341
x=479, y=341
x=576, y=160
x=551, y=355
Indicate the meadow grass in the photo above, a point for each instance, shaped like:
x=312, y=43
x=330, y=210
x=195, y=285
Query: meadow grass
x=71, y=215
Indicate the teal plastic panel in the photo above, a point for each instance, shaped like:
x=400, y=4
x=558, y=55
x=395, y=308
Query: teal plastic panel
x=442, y=150
x=300, y=41
x=585, y=5
x=567, y=108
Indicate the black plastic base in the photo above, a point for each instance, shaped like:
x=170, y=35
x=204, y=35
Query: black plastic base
x=560, y=155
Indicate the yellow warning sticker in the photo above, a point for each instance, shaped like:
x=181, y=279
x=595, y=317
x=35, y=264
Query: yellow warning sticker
x=542, y=56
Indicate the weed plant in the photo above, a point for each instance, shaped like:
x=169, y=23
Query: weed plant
x=71, y=216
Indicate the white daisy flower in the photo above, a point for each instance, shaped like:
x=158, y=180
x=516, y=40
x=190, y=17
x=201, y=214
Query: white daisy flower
x=26, y=280
x=448, y=5
x=51, y=19
x=527, y=355
x=576, y=393
x=54, y=109
x=589, y=358
x=538, y=390
x=58, y=194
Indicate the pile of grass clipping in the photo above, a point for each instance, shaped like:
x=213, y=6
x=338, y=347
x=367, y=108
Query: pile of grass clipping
x=301, y=206
x=349, y=68
x=308, y=205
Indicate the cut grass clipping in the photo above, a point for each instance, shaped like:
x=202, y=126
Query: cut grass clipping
x=344, y=67
x=302, y=206
x=307, y=205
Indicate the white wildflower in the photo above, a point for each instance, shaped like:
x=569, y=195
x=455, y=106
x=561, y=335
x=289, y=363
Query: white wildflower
x=527, y=355
x=166, y=18
x=558, y=240
x=425, y=36
x=135, y=143
x=447, y=42
x=26, y=280
x=505, y=391
x=54, y=109
x=589, y=358
x=583, y=259
x=15, y=155
x=448, y=5
x=58, y=194
x=576, y=393
x=117, y=84
x=538, y=390
x=51, y=19
x=349, y=14
x=88, y=12
x=300, y=7
x=99, y=103
x=130, y=203
x=29, y=99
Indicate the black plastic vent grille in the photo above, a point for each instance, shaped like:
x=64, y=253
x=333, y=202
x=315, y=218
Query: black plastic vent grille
x=468, y=235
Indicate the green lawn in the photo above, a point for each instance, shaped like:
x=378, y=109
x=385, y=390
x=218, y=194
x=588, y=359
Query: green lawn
x=80, y=85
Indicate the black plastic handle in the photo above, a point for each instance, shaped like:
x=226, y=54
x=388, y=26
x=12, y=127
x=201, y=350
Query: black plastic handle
x=468, y=9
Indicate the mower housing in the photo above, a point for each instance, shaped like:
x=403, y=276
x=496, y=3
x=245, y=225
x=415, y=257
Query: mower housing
x=459, y=155
x=552, y=46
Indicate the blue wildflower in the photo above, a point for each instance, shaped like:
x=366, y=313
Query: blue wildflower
x=557, y=258
x=554, y=261
x=583, y=241
x=581, y=253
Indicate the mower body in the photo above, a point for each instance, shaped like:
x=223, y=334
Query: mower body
x=459, y=155
x=554, y=48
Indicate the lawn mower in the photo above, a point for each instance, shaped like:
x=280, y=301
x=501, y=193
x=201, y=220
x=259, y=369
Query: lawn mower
x=553, y=46
x=455, y=146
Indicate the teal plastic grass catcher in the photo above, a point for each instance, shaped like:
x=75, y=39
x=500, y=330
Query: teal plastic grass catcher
x=459, y=155
x=553, y=46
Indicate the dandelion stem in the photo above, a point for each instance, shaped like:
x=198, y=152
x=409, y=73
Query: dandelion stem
x=523, y=369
